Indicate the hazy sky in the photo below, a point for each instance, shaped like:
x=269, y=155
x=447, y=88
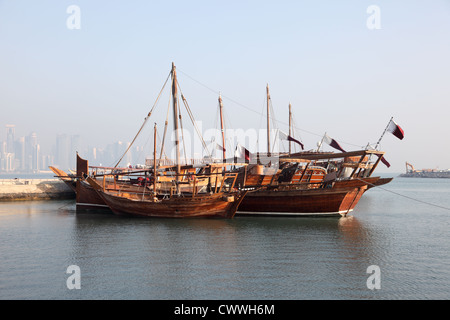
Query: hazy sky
x=341, y=76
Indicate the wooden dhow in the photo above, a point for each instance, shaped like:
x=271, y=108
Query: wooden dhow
x=293, y=184
x=313, y=185
x=220, y=204
x=194, y=178
x=310, y=183
x=217, y=200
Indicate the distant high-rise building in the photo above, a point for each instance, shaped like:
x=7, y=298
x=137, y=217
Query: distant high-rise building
x=62, y=151
x=33, y=139
x=92, y=155
x=128, y=157
x=10, y=130
x=74, y=148
x=35, y=163
x=118, y=150
x=20, y=153
x=3, y=151
x=30, y=146
x=10, y=162
x=46, y=161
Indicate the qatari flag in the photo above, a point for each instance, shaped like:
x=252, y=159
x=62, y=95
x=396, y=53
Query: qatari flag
x=396, y=130
x=241, y=152
x=333, y=143
x=387, y=164
x=284, y=136
x=219, y=147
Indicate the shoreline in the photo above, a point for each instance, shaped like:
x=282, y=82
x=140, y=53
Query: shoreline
x=34, y=189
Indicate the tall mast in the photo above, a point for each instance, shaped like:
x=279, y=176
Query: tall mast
x=290, y=125
x=175, y=120
x=268, y=120
x=222, y=128
x=154, y=165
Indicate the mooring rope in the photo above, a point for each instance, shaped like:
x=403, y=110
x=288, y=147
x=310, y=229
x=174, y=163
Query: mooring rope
x=66, y=205
x=404, y=196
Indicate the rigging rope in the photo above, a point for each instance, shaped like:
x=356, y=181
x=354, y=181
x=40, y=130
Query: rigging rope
x=145, y=121
x=182, y=134
x=191, y=116
x=407, y=197
x=259, y=113
x=195, y=125
x=274, y=123
x=163, y=151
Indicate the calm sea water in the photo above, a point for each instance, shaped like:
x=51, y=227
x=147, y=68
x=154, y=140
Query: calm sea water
x=244, y=258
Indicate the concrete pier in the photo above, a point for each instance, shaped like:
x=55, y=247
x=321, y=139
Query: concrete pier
x=34, y=189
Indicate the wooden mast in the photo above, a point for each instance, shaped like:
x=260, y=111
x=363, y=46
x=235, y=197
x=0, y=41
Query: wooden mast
x=268, y=120
x=290, y=125
x=154, y=166
x=175, y=122
x=222, y=128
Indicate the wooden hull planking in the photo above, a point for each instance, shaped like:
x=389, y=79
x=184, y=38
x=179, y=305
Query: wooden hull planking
x=200, y=206
x=301, y=202
x=339, y=200
x=380, y=182
x=88, y=198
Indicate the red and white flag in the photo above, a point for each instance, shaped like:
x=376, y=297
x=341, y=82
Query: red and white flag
x=219, y=147
x=396, y=130
x=386, y=163
x=284, y=136
x=333, y=143
x=241, y=152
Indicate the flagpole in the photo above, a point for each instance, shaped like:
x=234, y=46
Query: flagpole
x=235, y=156
x=268, y=120
x=385, y=130
x=222, y=129
x=321, y=142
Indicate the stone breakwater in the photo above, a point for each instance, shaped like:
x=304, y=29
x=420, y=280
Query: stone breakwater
x=34, y=189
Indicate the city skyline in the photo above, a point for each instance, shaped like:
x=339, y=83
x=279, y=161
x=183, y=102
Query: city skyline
x=22, y=154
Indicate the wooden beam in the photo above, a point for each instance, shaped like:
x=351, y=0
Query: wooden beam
x=302, y=157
